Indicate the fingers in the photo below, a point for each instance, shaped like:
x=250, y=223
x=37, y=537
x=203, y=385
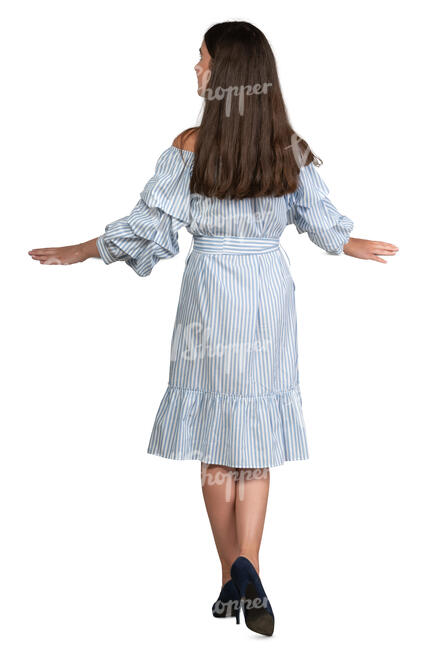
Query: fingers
x=378, y=248
x=384, y=251
x=54, y=255
x=39, y=257
x=41, y=251
x=385, y=245
x=45, y=255
x=52, y=259
x=48, y=259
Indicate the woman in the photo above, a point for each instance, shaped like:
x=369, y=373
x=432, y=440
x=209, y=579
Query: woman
x=233, y=400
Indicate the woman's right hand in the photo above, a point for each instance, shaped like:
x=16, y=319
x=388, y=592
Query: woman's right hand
x=65, y=254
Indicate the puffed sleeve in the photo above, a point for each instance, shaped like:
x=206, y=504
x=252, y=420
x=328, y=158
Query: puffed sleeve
x=150, y=232
x=310, y=209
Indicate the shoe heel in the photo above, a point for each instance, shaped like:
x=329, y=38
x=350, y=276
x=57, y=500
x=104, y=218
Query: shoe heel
x=227, y=604
x=257, y=609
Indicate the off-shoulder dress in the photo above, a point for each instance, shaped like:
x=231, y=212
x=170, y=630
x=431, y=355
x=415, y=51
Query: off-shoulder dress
x=233, y=395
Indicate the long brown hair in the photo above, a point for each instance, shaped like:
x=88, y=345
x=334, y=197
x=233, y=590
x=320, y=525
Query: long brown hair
x=245, y=146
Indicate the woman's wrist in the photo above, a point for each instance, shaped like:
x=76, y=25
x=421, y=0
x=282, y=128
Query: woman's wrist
x=347, y=245
x=89, y=249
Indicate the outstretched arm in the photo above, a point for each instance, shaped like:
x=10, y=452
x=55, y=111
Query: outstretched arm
x=150, y=232
x=312, y=211
x=66, y=254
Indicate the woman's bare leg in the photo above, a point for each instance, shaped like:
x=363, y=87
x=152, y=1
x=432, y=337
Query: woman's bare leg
x=252, y=489
x=219, y=493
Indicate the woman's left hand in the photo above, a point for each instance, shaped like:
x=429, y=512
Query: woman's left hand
x=366, y=249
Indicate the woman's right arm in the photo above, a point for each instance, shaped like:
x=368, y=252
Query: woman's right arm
x=150, y=232
x=66, y=254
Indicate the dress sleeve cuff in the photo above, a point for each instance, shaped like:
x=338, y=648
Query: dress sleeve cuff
x=103, y=250
x=349, y=227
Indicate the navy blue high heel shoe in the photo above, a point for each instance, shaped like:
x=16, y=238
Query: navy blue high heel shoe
x=228, y=602
x=257, y=609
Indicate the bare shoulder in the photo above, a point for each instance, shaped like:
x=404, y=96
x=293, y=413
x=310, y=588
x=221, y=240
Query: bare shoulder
x=187, y=139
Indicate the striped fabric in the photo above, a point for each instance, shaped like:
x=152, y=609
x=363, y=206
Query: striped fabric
x=233, y=395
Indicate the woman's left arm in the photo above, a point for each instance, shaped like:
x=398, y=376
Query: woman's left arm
x=312, y=211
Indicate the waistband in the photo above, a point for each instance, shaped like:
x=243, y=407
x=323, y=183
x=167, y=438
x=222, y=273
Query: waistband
x=224, y=245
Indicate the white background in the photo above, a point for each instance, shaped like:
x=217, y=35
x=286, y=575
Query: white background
x=105, y=546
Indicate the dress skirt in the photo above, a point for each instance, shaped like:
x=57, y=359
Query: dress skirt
x=233, y=395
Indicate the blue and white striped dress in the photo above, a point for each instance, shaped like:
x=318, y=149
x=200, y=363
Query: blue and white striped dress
x=233, y=395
